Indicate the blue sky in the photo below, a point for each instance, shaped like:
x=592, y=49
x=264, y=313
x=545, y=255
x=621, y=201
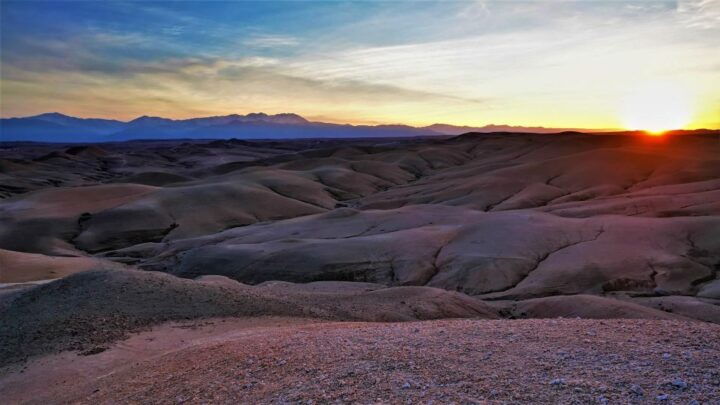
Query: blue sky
x=552, y=63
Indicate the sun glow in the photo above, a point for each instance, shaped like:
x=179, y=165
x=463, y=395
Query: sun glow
x=657, y=107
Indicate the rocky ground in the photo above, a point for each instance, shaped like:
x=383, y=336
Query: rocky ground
x=447, y=361
x=89, y=310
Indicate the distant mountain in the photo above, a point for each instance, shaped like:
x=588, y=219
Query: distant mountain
x=96, y=124
x=284, y=118
x=36, y=129
x=447, y=129
x=56, y=127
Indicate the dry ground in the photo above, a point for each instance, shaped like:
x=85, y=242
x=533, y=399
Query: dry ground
x=618, y=229
x=448, y=361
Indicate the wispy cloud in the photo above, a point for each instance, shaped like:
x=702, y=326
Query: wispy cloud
x=703, y=14
x=271, y=41
x=554, y=63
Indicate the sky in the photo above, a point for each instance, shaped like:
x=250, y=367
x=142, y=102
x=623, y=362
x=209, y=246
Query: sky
x=556, y=63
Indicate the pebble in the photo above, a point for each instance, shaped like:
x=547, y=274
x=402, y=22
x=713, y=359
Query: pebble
x=557, y=381
x=679, y=384
x=637, y=390
x=406, y=386
x=663, y=397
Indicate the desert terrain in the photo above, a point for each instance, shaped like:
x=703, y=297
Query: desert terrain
x=376, y=270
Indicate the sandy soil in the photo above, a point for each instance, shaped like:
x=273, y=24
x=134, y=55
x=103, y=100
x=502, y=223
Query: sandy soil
x=49, y=377
x=280, y=360
x=18, y=267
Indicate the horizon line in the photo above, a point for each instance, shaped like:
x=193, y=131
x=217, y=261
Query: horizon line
x=311, y=120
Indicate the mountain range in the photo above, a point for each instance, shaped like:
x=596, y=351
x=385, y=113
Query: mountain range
x=57, y=127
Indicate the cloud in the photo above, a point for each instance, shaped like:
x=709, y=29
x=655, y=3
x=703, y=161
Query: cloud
x=282, y=80
x=476, y=9
x=174, y=30
x=180, y=86
x=702, y=14
x=558, y=63
x=271, y=41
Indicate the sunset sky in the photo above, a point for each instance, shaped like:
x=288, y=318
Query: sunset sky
x=590, y=64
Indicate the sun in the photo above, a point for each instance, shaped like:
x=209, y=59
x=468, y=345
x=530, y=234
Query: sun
x=657, y=107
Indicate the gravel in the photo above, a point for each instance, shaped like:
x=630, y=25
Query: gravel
x=445, y=361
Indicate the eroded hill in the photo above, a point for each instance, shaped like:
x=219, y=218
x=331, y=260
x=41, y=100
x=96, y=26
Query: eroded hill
x=521, y=225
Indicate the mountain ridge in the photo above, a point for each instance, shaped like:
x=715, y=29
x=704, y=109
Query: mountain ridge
x=58, y=127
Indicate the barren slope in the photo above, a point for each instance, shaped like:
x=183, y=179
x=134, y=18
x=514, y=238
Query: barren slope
x=461, y=361
x=523, y=225
x=98, y=307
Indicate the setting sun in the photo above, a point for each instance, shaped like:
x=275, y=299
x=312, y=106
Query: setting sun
x=657, y=107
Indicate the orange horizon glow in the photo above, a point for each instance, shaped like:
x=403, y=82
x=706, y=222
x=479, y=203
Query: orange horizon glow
x=655, y=133
x=645, y=66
